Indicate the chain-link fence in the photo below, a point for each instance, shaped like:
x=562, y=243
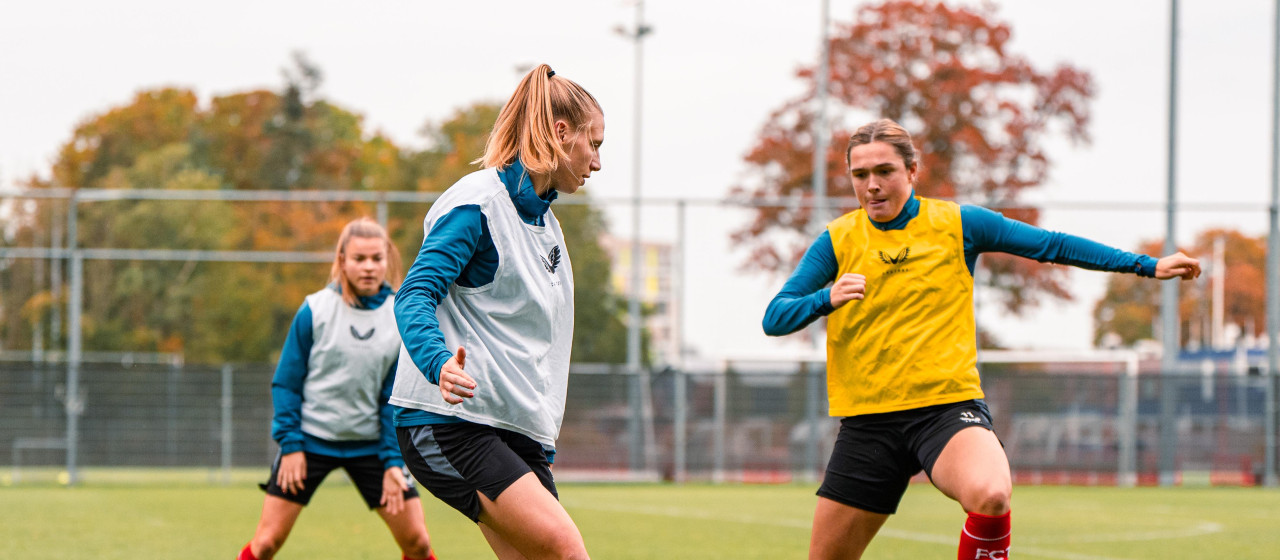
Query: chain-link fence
x=725, y=425
x=136, y=415
x=733, y=421
x=1077, y=427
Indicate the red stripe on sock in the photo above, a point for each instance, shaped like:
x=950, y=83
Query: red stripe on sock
x=246, y=554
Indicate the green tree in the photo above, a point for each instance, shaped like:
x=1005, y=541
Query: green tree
x=120, y=136
x=164, y=139
x=150, y=305
x=215, y=312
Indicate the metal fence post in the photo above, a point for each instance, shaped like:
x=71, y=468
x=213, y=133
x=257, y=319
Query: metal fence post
x=1269, y=429
x=1127, y=423
x=718, y=432
x=681, y=426
x=648, y=436
x=812, y=377
x=55, y=282
x=171, y=414
x=381, y=208
x=226, y=424
x=74, y=403
x=37, y=326
x=635, y=422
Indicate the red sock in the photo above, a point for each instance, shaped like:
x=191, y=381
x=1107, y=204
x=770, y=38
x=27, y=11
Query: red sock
x=246, y=554
x=430, y=556
x=985, y=537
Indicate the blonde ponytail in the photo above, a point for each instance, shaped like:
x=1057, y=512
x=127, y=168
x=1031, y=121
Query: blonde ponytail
x=526, y=125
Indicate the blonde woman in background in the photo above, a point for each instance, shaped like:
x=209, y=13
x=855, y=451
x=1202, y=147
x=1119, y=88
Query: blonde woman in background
x=330, y=394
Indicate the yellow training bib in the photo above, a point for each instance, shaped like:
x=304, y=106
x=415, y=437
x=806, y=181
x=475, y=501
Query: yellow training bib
x=911, y=342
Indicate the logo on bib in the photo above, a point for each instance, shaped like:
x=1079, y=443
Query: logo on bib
x=552, y=260
x=359, y=336
x=970, y=417
x=899, y=258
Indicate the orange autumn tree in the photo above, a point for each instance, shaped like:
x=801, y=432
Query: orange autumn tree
x=291, y=140
x=1130, y=307
x=165, y=140
x=978, y=112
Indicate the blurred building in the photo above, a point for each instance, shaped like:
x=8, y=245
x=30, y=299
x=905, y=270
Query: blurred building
x=657, y=292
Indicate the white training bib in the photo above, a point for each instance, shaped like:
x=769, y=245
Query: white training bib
x=517, y=330
x=351, y=355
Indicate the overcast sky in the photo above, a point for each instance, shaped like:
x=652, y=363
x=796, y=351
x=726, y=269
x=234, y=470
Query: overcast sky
x=713, y=72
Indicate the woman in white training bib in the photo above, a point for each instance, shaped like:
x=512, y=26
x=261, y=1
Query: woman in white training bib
x=330, y=394
x=486, y=319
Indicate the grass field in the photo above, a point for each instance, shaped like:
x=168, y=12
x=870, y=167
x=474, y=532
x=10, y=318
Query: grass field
x=180, y=518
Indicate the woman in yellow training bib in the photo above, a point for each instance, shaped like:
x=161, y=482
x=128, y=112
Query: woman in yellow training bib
x=901, y=345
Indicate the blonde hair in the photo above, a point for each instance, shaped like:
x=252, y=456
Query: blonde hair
x=526, y=125
x=887, y=131
x=369, y=229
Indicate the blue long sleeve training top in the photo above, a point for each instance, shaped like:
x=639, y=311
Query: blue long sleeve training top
x=804, y=297
x=286, y=397
x=458, y=249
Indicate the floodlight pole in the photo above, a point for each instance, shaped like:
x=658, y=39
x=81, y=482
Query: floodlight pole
x=1273, y=266
x=633, y=303
x=817, y=221
x=1169, y=289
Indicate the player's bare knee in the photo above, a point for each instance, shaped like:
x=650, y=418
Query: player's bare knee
x=267, y=546
x=418, y=548
x=991, y=500
x=569, y=546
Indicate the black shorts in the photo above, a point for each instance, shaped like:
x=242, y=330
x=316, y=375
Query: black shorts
x=365, y=471
x=876, y=455
x=454, y=461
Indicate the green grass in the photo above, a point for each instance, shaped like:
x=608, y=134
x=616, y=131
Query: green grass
x=176, y=517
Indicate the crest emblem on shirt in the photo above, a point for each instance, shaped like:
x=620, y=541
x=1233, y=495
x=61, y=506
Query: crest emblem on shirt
x=899, y=258
x=552, y=260
x=359, y=336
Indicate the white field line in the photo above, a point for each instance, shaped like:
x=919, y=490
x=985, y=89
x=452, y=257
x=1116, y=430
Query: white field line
x=683, y=513
x=1200, y=529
